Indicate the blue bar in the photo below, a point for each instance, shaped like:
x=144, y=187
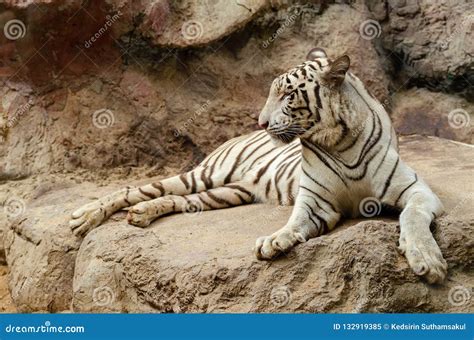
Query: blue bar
x=237, y=326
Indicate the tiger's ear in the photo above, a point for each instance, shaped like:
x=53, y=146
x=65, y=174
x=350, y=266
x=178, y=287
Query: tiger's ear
x=337, y=71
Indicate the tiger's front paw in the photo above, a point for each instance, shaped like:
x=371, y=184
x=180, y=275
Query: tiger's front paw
x=268, y=247
x=87, y=218
x=424, y=257
x=141, y=214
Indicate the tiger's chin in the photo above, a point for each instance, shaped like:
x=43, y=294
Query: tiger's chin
x=282, y=140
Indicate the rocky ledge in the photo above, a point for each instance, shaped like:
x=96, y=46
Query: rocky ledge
x=204, y=262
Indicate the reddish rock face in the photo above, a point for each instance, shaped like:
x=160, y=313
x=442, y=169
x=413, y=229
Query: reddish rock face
x=138, y=86
x=157, y=17
x=75, y=38
x=56, y=39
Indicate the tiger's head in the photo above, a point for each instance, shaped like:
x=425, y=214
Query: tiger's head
x=304, y=101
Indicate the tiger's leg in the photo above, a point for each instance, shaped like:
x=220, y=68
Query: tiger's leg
x=213, y=172
x=420, y=206
x=91, y=215
x=226, y=196
x=311, y=217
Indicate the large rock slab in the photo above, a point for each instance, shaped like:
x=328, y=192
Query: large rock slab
x=204, y=263
x=166, y=23
x=197, y=23
x=41, y=249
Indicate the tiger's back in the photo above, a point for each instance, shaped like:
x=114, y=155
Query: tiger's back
x=273, y=169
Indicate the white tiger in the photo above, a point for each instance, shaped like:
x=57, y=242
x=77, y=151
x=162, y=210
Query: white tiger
x=335, y=148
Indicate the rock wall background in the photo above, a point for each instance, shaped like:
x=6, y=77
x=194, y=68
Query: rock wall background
x=104, y=91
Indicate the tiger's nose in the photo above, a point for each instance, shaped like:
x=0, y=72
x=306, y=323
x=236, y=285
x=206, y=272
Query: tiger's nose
x=263, y=125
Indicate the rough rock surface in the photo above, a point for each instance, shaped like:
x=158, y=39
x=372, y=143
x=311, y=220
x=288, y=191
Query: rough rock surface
x=191, y=263
x=6, y=302
x=184, y=24
x=434, y=42
x=159, y=105
x=420, y=111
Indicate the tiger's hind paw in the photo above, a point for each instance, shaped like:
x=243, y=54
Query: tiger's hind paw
x=87, y=218
x=141, y=214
